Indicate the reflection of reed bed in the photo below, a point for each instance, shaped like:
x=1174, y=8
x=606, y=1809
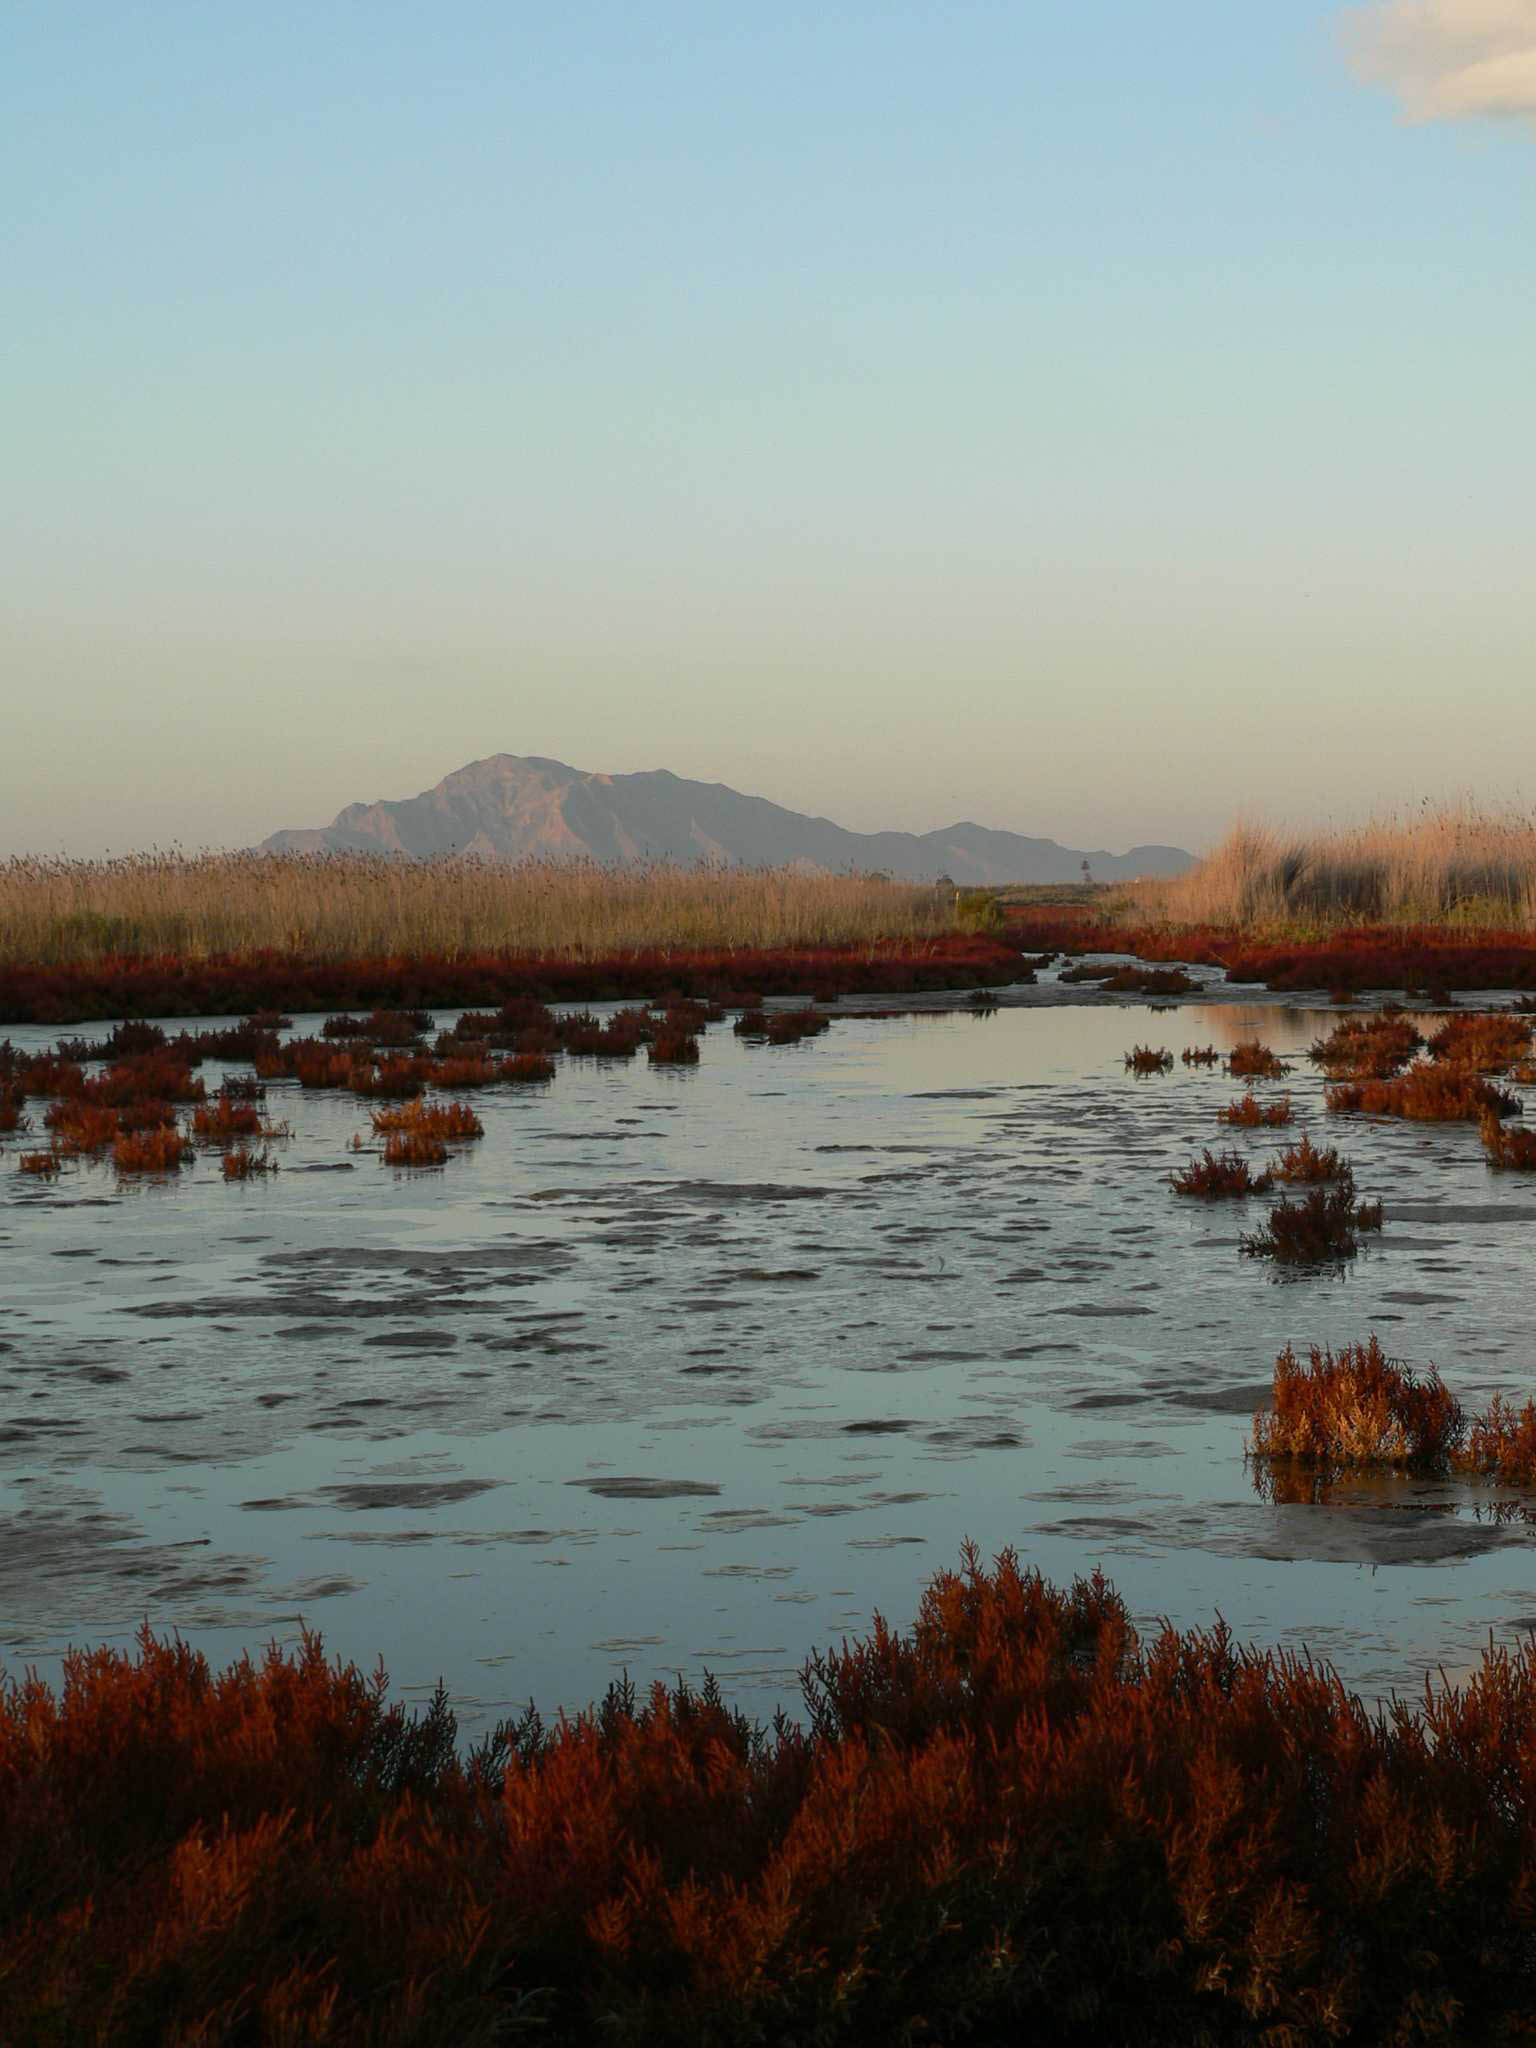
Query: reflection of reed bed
x=1016, y=1814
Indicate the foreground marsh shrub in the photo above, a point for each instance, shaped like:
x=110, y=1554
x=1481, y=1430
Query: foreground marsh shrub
x=1014, y=1822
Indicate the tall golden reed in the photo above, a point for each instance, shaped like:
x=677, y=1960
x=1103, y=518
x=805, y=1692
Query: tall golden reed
x=340, y=906
x=1449, y=865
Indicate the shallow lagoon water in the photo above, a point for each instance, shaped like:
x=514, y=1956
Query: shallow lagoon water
x=696, y=1368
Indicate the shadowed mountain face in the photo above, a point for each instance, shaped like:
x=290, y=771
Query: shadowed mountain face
x=515, y=807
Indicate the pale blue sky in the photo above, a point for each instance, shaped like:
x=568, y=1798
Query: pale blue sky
x=1087, y=419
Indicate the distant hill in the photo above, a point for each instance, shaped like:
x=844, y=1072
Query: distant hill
x=514, y=807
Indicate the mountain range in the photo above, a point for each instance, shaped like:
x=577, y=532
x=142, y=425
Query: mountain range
x=517, y=807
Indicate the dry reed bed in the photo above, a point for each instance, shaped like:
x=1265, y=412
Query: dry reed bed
x=1452, y=864
x=1013, y=1821
x=351, y=906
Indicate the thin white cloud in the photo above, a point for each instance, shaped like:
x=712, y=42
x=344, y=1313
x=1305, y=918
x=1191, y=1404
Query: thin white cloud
x=1448, y=59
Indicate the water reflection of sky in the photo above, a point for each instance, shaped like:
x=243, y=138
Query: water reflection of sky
x=701, y=1367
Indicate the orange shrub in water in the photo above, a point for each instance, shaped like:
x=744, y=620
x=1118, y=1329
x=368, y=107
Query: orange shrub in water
x=1510, y=1149
x=1200, y=1056
x=527, y=1066
x=414, y=1148
x=1484, y=1044
x=396, y=1079
x=466, y=1073
x=1309, y=1164
x=1251, y=1059
x=1228, y=1174
x=1321, y=1228
x=161, y=1150
x=1248, y=1113
x=1425, y=1094
x=222, y=1118
x=673, y=1047
x=1367, y=1048
x=12, y=1109
x=1147, y=1059
x=242, y=1163
x=1501, y=1443
x=82, y=1127
x=1357, y=1408
x=43, y=1164
x=439, y=1119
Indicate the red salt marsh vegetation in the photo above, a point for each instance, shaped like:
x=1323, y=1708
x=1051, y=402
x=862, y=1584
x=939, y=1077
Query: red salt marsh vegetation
x=1357, y=1408
x=244, y=1164
x=1248, y=1113
x=1227, y=1173
x=1015, y=1820
x=1308, y=1164
x=1367, y=1048
x=1148, y=1059
x=1251, y=1060
x=455, y=1120
x=1322, y=1228
x=1509, y=1150
x=1426, y=1093
x=1200, y=1056
x=1482, y=1044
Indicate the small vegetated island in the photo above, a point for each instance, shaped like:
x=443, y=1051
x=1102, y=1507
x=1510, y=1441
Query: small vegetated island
x=1016, y=1818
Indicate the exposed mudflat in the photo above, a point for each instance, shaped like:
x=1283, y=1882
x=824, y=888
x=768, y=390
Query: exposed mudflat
x=698, y=1367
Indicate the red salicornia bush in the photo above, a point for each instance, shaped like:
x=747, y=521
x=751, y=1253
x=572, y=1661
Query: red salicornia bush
x=1501, y=1443
x=1357, y=1408
x=1227, y=1173
x=1319, y=1229
x=1250, y=1058
x=1368, y=1048
x=1425, y=1094
x=1148, y=1059
x=1511, y=1149
x=455, y=1120
x=1014, y=1822
x=1309, y=1164
x=1482, y=1044
x=1248, y=1113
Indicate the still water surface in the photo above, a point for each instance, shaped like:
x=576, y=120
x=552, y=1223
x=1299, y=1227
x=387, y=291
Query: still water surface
x=687, y=1369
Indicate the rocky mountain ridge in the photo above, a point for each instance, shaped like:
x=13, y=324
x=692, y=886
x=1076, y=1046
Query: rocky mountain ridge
x=518, y=807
